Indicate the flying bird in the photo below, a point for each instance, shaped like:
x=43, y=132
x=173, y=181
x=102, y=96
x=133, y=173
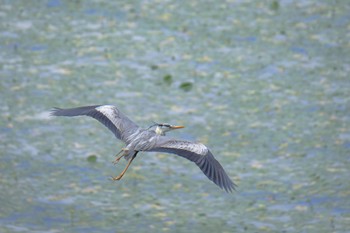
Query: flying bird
x=152, y=139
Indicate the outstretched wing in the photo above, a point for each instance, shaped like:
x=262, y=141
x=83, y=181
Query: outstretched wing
x=109, y=115
x=200, y=155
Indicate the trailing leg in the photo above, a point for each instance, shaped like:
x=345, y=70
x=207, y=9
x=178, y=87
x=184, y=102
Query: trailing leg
x=126, y=168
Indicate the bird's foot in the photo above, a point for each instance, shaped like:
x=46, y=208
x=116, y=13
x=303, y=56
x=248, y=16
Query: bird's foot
x=115, y=161
x=125, y=152
x=126, y=168
x=115, y=178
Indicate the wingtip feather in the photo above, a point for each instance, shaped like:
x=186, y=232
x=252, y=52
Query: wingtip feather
x=54, y=111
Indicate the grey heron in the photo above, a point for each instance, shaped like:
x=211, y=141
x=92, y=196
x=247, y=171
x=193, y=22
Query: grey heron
x=152, y=139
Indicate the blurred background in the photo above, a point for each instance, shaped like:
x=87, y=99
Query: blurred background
x=264, y=84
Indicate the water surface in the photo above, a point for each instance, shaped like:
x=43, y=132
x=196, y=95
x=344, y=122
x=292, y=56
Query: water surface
x=263, y=84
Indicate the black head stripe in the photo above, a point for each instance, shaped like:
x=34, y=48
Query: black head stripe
x=155, y=124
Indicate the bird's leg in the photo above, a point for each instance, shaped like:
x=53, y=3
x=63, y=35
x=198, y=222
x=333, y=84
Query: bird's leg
x=126, y=168
x=125, y=152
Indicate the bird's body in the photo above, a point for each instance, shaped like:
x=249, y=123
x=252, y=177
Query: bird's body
x=153, y=139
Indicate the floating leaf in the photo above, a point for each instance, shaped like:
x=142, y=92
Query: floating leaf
x=154, y=67
x=92, y=158
x=186, y=86
x=168, y=79
x=275, y=5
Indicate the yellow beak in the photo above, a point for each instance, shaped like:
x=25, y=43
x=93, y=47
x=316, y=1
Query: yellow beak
x=177, y=126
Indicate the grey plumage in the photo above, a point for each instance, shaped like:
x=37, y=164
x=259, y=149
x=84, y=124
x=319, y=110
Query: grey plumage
x=108, y=115
x=138, y=139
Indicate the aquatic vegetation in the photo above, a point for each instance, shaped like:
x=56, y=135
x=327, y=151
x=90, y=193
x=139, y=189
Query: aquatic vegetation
x=263, y=83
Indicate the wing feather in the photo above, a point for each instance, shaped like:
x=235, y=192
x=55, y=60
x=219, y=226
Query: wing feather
x=200, y=155
x=108, y=115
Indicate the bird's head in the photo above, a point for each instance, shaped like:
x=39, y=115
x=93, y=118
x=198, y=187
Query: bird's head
x=162, y=128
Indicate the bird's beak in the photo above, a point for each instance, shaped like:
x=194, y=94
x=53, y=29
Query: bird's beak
x=177, y=127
